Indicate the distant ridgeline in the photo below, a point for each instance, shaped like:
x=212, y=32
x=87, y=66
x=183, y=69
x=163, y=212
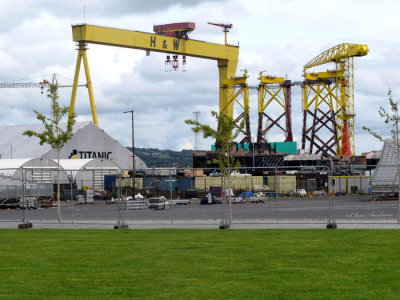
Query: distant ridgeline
x=155, y=158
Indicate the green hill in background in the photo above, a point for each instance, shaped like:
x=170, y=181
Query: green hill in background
x=155, y=158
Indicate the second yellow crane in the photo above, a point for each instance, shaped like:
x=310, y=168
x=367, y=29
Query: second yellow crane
x=328, y=98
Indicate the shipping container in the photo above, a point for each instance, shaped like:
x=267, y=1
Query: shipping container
x=109, y=182
x=285, y=147
x=282, y=184
x=194, y=172
x=312, y=182
x=352, y=184
x=128, y=182
x=185, y=183
x=152, y=183
x=238, y=182
x=168, y=183
x=216, y=191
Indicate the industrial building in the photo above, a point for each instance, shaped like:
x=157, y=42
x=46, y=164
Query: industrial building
x=88, y=142
x=38, y=176
x=85, y=160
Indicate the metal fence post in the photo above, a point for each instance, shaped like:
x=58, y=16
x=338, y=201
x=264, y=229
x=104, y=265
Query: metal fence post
x=121, y=224
x=331, y=220
x=72, y=200
x=276, y=198
x=25, y=224
x=224, y=224
x=170, y=196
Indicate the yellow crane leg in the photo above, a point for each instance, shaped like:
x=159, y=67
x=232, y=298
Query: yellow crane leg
x=82, y=55
x=75, y=85
x=90, y=89
x=227, y=69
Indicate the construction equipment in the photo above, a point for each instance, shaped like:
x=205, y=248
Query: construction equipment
x=241, y=97
x=225, y=55
x=271, y=90
x=328, y=97
x=225, y=29
x=42, y=85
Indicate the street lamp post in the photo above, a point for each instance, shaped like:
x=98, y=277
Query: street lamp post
x=133, y=147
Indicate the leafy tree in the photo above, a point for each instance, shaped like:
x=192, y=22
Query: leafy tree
x=227, y=131
x=53, y=134
x=392, y=117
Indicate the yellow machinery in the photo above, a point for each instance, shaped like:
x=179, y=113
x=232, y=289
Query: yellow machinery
x=274, y=89
x=328, y=97
x=241, y=97
x=225, y=55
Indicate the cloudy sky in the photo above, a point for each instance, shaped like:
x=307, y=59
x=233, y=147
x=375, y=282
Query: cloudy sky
x=279, y=36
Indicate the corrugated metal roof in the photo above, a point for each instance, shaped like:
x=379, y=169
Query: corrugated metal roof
x=24, y=146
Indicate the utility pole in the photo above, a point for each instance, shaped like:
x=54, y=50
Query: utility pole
x=196, y=134
x=133, y=147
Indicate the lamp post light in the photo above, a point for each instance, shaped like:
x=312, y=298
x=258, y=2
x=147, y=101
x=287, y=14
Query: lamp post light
x=133, y=147
x=10, y=148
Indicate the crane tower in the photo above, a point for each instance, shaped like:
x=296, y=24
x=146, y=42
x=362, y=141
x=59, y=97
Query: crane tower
x=328, y=99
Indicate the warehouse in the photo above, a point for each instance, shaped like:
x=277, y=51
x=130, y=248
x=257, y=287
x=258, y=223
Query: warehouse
x=88, y=142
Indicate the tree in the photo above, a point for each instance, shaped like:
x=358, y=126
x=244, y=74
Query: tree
x=393, y=118
x=53, y=134
x=227, y=131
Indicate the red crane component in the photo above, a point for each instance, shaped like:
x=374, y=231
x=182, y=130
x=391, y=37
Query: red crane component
x=178, y=30
x=225, y=26
x=345, y=140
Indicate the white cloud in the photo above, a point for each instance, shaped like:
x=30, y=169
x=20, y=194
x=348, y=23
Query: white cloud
x=277, y=36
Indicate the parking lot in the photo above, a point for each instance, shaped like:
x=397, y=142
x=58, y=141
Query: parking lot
x=355, y=209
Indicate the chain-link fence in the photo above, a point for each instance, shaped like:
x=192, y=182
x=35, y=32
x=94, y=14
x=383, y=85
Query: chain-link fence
x=191, y=196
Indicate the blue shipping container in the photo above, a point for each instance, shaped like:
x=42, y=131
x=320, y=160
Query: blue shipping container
x=185, y=183
x=151, y=183
x=109, y=182
x=168, y=183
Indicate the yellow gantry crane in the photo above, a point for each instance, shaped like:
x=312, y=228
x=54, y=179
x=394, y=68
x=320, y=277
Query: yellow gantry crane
x=328, y=97
x=178, y=44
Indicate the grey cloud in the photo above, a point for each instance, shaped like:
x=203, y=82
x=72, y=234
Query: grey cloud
x=13, y=13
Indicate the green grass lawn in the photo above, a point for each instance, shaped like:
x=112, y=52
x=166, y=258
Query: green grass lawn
x=200, y=264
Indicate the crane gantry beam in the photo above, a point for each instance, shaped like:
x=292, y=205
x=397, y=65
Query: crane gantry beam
x=337, y=53
x=225, y=55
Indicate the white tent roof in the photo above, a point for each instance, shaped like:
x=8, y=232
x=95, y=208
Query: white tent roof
x=23, y=146
x=75, y=165
x=9, y=166
x=13, y=163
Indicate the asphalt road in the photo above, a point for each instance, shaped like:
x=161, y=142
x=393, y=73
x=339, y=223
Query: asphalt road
x=357, y=209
